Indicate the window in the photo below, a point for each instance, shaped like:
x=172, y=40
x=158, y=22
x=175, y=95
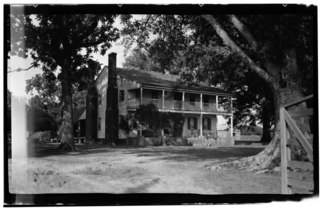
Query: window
x=177, y=96
x=121, y=95
x=99, y=123
x=192, y=99
x=138, y=93
x=99, y=99
x=206, y=122
x=192, y=123
x=154, y=94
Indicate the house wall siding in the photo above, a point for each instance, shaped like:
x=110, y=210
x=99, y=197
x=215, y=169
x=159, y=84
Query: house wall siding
x=126, y=85
x=101, y=85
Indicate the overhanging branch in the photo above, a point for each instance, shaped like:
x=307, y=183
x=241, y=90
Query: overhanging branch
x=244, y=31
x=229, y=42
x=35, y=64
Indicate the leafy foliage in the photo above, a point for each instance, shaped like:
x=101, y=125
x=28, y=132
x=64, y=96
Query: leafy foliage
x=65, y=42
x=39, y=120
x=148, y=117
x=189, y=46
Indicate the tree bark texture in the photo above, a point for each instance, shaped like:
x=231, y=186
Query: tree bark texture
x=266, y=124
x=283, y=91
x=66, y=129
x=91, y=114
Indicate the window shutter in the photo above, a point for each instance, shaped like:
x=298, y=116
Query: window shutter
x=195, y=123
x=189, y=122
x=203, y=121
x=209, y=123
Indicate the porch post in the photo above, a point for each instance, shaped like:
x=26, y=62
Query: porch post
x=163, y=99
x=217, y=102
x=231, y=109
x=200, y=124
x=78, y=130
x=182, y=100
x=200, y=102
x=231, y=129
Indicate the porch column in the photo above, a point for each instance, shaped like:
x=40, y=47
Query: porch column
x=231, y=110
x=141, y=92
x=182, y=100
x=231, y=129
x=200, y=102
x=163, y=99
x=79, y=130
x=217, y=102
x=200, y=125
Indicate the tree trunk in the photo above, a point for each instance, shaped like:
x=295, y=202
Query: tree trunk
x=91, y=114
x=283, y=91
x=266, y=121
x=66, y=129
x=270, y=156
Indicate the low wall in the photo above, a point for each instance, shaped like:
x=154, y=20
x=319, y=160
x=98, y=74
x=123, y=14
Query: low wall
x=219, y=142
x=248, y=138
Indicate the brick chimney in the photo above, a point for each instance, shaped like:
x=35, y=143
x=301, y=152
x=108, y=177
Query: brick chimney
x=112, y=111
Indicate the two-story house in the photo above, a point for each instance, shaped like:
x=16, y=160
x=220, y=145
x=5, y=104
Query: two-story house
x=199, y=104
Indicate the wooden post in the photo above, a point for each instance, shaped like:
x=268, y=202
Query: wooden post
x=231, y=108
x=182, y=100
x=231, y=124
x=284, y=161
x=163, y=99
x=200, y=125
x=217, y=102
x=78, y=130
x=200, y=102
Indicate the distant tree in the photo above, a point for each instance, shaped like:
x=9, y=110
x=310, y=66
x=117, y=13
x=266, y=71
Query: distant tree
x=39, y=120
x=149, y=116
x=46, y=93
x=139, y=60
x=64, y=42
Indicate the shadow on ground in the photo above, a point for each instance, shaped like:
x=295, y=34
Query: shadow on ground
x=196, y=154
x=179, y=154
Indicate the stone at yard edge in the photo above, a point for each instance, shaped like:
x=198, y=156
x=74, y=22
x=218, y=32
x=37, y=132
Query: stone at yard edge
x=215, y=168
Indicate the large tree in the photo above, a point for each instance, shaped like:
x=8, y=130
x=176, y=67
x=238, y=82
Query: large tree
x=66, y=43
x=275, y=51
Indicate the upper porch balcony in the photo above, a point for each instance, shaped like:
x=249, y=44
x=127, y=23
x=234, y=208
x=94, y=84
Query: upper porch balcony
x=179, y=102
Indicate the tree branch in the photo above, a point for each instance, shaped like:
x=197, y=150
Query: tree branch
x=229, y=42
x=244, y=31
x=20, y=69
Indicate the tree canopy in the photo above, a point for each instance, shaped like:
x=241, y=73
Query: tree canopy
x=62, y=42
x=266, y=60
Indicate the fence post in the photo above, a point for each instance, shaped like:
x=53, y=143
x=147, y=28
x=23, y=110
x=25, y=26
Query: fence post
x=284, y=161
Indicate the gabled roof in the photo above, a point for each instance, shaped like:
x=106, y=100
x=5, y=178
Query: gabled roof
x=168, y=81
x=77, y=114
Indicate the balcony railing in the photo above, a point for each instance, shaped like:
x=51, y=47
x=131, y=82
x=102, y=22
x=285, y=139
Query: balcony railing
x=176, y=105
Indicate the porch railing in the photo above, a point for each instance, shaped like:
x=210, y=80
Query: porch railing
x=176, y=105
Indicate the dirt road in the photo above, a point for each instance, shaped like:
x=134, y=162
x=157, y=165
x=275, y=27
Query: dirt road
x=100, y=169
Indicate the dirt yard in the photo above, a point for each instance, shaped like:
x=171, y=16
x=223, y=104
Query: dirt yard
x=100, y=169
